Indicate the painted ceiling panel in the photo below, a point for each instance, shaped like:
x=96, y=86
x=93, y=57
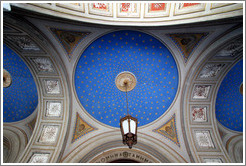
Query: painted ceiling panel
x=21, y=97
x=141, y=54
x=229, y=102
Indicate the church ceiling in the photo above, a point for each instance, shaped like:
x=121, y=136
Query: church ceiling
x=147, y=58
x=229, y=102
x=76, y=66
x=20, y=98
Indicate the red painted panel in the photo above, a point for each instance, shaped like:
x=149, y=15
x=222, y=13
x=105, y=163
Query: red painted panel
x=100, y=6
x=157, y=6
x=190, y=4
x=125, y=7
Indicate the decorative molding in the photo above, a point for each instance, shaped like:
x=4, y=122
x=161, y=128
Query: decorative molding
x=181, y=12
x=212, y=160
x=128, y=10
x=23, y=43
x=52, y=86
x=201, y=91
x=203, y=139
x=187, y=42
x=218, y=5
x=188, y=8
x=68, y=39
x=211, y=70
x=169, y=130
x=157, y=9
x=49, y=134
x=81, y=128
x=199, y=113
x=77, y=7
x=103, y=9
x=53, y=109
x=231, y=50
x=9, y=30
x=39, y=158
x=203, y=115
x=43, y=65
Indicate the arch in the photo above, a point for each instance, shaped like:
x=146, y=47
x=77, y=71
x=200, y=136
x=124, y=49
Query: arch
x=53, y=88
x=112, y=140
x=207, y=129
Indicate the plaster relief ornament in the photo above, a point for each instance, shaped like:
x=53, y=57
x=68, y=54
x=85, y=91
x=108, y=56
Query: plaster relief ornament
x=169, y=130
x=69, y=39
x=52, y=86
x=199, y=114
x=49, y=134
x=187, y=42
x=43, y=64
x=81, y=128
x=232, y=49
x=212, y=160
x=203, y=139
x=128, y=7
x=201, y=91
x=184, y=5
x=7, y=80
x=23, y=42
x=39, y=158
x=155, y=7
x=210, y=70
x=53, y=109
x=100, y=6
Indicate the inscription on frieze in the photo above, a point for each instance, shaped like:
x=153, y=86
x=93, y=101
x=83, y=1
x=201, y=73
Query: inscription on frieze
x=124, y=155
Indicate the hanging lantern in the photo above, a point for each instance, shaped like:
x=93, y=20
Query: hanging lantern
x=126, y=81
x=128, y=126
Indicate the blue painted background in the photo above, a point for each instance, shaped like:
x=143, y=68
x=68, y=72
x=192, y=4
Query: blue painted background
x=20, y=99
x=143, y=55
x=229, y=102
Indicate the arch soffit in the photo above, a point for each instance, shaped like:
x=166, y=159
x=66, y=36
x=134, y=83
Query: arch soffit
x=186, y=97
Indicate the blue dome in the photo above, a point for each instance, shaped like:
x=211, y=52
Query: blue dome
x=229, y=102
x=20, y=99
x=139, y=53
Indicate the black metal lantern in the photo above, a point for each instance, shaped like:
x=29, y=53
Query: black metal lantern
x=128, y=126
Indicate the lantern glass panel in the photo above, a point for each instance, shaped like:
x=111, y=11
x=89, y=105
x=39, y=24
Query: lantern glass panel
x=133, y=126
x=125, y=126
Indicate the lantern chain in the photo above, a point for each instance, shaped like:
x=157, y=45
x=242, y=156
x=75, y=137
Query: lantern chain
x=126, y=100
